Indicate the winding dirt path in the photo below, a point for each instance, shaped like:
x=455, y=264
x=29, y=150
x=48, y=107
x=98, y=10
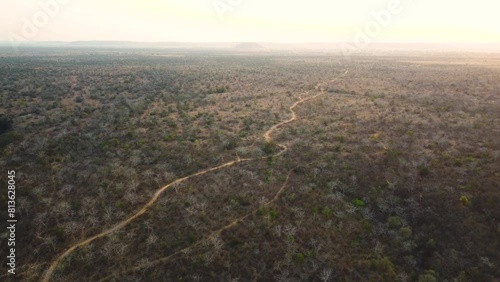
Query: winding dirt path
x=125, y=222
x=267, y=137
x=212, y=235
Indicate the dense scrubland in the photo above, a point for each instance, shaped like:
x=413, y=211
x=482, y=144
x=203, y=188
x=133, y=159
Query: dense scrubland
x=391, y=174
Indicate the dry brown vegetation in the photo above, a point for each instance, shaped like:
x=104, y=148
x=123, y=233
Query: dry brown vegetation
x=391, y=175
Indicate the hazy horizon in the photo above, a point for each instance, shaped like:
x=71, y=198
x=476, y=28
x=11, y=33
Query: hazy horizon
x=317, y=21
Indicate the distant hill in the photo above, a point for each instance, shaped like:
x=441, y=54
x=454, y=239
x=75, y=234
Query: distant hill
x=269, y=46
x=161, y=45
x=249, y=46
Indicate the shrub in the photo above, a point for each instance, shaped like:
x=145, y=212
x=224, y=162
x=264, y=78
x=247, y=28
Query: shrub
x=385, y=268
x=326, y=211
x=339, y=138
x=8, y=138
x=5, y=124
x=428, y=276
x=358, y=203
x=269, y=147
x=169, y=137
x=230, y=143
x=465, y=200
x=221, y=89
x=299, y=258
x=272, y=214
x=233, y=203
x=405, y=232
x=394, y=222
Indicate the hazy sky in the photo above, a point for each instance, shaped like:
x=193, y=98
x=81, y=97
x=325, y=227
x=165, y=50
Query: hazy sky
x=251, y=20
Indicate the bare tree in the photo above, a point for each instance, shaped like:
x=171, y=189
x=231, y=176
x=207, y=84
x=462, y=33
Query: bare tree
x=325, y=275
x=217, y=243
x=277, y=230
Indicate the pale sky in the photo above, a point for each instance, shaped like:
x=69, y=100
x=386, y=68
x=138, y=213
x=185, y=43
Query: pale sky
x=435, y=21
